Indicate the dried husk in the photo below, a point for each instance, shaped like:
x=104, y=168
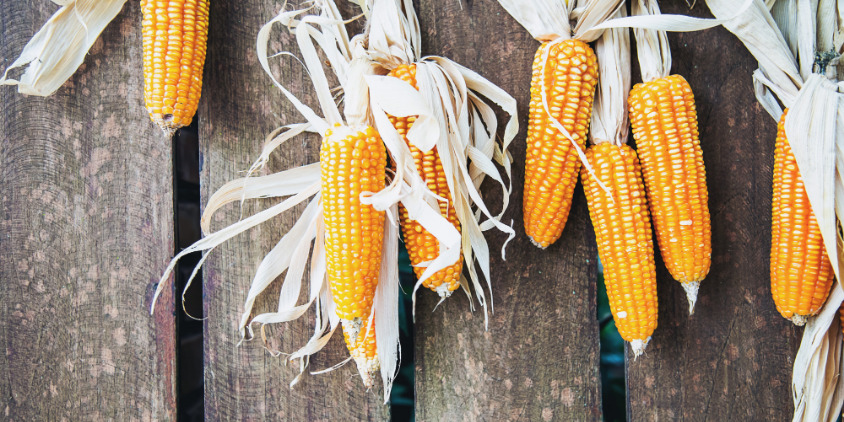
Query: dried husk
x=59, y=47
x=451, y=115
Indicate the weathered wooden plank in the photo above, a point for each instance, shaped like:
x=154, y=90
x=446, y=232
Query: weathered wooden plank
x=239, y=107
x=86, y=219
x=540, y=358
x=732, y=359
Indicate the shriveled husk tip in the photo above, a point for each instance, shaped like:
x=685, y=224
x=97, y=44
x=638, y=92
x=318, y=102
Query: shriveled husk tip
x=57, y=50
x=638, y=346
x=691, y=289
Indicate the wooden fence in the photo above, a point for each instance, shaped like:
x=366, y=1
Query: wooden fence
x=86, y=229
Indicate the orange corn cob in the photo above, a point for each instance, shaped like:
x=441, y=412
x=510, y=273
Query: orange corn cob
x=421, y=245
x=351, y=162
x=664, y=120
x=623, y=233
x=801, y=273
x=552, y=163
x=174, y=37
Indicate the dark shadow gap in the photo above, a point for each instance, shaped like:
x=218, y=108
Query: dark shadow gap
x=613, y=383
x=191, y=400
x=402, y=397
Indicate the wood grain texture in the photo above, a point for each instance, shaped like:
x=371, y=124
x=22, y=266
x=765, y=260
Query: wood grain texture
x=732, y=359
x=86, y=218
x=540, y=358
x=239, y=107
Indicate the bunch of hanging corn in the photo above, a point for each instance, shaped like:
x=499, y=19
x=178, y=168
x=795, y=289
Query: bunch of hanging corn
x=801, y=274
x=174, y=36
x=354, y=249
x=664, y=121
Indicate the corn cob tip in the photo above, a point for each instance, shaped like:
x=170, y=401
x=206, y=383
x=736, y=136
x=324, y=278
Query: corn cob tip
x=443, y=290
x=167, y=125
x=537, y=244
x=691, y=289
x=639, y=346
x=799, y=320
x=368, y=369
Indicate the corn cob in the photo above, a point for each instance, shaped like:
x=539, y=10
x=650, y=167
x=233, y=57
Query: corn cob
x=801, y=273
x=623, y=233
x=421, y=245
x=352, y=162
x=552, y=164
x=664, y=120
x=174, y=37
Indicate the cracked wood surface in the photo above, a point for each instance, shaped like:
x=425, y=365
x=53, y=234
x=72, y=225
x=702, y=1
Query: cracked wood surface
x=732, y=359
x=539, y=361
x=239, y=107
x=86, y=218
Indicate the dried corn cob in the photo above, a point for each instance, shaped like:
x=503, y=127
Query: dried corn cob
x=421, y=245
x=174, y=37
x=664, y=120
x=352, y=162
x=552, y=164
x=801, y=273
x=623, y=233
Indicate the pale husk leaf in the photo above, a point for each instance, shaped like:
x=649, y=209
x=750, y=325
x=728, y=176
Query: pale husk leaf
x=652, y=47
x=609, y=112
x=545, y=19
x=59, y=47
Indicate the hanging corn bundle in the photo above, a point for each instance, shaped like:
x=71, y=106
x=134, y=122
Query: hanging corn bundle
x=664, y=121
x=616, y=199
x=350, y=226
x=793, y=47
x=59, y=47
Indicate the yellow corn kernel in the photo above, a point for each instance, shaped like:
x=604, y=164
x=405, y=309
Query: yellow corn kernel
x=421, y=245
x=664, y=120
x=174, y=40
x=801, y=273
x=623, y=234
x=552, y=163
